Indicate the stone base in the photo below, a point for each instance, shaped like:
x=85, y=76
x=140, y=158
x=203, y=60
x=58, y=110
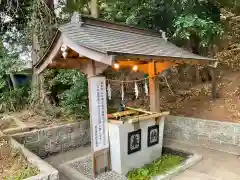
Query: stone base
x=123, y=161
x=81, y=169
x=46, y=170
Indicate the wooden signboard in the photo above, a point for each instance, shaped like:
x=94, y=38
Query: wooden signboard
x=99, y=124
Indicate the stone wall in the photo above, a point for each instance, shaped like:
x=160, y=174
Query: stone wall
x=217, y=135
x=47, y=141
x=46, y=171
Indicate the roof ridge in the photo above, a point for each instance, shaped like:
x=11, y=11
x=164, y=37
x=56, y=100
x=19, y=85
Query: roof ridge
x=118, y=26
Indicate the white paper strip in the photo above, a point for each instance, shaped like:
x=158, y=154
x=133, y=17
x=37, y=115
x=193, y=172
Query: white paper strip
x=146, y=87
x=109, y=91
x=64, y=48
x=136, y=89
x=122, y=93
x=64, y=54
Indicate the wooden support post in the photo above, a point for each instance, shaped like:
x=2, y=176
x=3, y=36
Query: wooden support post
x=98, y=121
x=91, y=68
x=154, y=92
x=214, y=83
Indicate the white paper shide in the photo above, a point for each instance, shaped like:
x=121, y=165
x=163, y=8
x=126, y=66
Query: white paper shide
x=98, y=113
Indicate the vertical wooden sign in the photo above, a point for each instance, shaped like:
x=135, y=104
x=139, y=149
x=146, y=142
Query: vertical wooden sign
x=99, y=124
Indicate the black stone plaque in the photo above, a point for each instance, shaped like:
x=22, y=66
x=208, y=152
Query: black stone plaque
x=153, y=135
x=134, y=141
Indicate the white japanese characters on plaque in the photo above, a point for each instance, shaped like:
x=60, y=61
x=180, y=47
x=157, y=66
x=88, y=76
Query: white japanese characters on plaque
x=98, y=113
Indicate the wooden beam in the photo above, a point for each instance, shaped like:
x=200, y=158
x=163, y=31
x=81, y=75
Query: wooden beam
x=147, y=117
x=89, y=53
x=51, y=56
x=118, y=115
x=159, y=67
x=163, y=59
x=72, y=54
x=140, y=110
x=130, y=63
x=72, y=59
x=113, y=121
x=69, y=63
x=100, y=67
x=91, y=68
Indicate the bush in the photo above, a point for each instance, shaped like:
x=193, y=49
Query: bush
x=23, y=173
x=157, y=167
x=73, y=100
x=15, y=99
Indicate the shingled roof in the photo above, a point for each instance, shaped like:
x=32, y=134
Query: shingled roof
x=107, y=42
x=115, y=39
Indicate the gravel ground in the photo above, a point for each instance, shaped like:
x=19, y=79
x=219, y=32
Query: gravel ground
x=84, y=166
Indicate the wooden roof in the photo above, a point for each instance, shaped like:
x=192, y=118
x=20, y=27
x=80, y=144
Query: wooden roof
x=117, y=39
x=106, y=42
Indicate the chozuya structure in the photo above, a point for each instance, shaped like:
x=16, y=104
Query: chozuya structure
x=91, y=45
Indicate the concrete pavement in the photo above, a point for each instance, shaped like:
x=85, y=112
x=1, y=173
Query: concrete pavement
x=215, y=165
x=57, y=160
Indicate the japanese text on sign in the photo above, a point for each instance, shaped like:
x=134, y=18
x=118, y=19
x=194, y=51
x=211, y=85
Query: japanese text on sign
x=98, y=113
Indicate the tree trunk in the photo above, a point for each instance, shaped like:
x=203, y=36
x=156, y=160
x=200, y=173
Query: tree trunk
x=35, y=57
x=94, y=8
x=14, y=83
x=36, y=53
x=50, y=4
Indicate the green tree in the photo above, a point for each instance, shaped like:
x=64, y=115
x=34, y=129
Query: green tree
x=196, y=32
x=183, y=20
x=11, y=99
x=232, y=5
x=71, y=88
x=192, y=23
x=9, y=63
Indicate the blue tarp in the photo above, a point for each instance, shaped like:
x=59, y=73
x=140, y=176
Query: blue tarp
x=21, y=79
